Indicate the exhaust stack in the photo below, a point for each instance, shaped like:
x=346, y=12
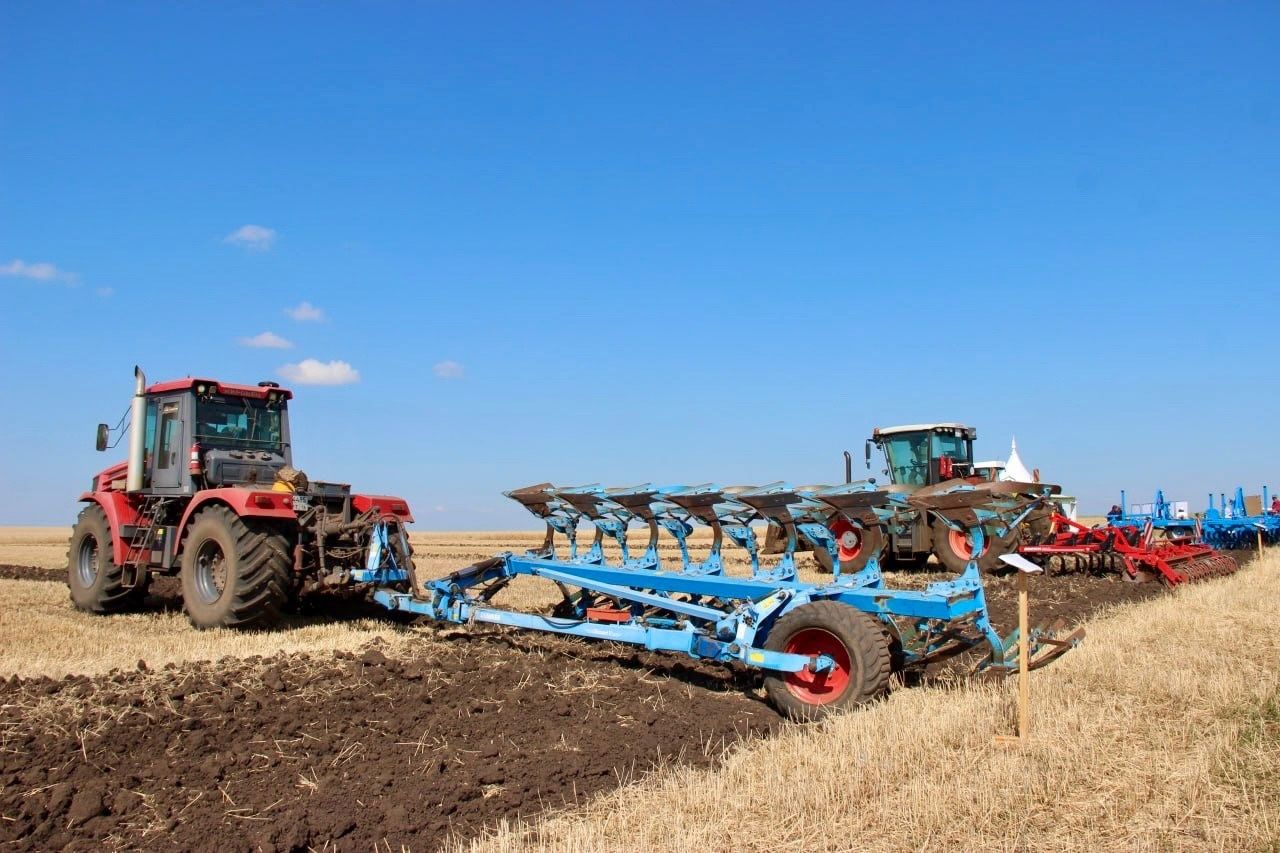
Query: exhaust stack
x=138, y=431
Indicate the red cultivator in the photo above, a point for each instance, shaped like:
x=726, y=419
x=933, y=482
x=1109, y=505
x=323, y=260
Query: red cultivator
x=1131, y=551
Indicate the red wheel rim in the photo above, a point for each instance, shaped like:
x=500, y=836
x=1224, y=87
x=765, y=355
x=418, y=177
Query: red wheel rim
x=848, y=540
x=961, y=546
x=818, y=688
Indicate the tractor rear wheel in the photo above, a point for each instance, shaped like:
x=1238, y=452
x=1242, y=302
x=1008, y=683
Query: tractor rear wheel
x=954, y=550
x=854, y=640
x=856, y=545
x=235, y=571
x=96, y=582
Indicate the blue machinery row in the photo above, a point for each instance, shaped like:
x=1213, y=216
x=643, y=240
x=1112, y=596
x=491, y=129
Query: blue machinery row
x=699, y=610
x=1225, y=525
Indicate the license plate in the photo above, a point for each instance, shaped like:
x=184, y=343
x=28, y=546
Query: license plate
x=300, y=503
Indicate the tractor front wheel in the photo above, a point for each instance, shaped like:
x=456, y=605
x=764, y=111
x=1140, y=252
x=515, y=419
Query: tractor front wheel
x=954, y=550
x=855, y=641
x=96, y=582
x=235, y=571
x=856, y=545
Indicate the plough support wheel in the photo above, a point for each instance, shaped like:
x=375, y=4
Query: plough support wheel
x=856, y=643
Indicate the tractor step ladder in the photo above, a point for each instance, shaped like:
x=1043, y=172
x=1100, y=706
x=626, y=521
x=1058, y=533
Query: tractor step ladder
x=138, y=554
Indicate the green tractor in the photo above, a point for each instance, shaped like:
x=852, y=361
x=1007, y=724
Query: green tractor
x=920, y=459
x=917, y=457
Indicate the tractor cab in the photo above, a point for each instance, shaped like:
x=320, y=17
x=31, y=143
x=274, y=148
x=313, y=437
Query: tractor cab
x=201, y=434
x=924, y=454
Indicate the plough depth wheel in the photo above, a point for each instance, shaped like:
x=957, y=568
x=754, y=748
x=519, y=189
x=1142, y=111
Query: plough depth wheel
x=851, y=638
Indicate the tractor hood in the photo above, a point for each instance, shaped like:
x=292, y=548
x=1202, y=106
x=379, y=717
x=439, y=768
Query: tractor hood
x=111, y=478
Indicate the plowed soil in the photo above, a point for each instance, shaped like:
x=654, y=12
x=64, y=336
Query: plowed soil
x=357, y=749
x=361, y=750
x=31, y=573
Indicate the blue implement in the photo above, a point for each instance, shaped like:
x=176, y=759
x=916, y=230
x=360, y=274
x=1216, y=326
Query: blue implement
x=822, y=645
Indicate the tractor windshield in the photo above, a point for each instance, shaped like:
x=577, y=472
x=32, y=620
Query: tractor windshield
x=908, y=457
x=954, y=446
x=238, y=423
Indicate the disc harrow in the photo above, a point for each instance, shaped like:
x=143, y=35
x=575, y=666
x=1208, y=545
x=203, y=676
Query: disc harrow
x=821, y=646
x=1129, y=550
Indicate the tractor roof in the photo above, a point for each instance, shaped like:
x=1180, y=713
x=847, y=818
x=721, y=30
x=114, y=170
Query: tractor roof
x=893, y=430
x=990, y=463
x=258, y=392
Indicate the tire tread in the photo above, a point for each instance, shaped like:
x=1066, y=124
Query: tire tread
x=262, y=580
x=869, y=647
x=112, y=596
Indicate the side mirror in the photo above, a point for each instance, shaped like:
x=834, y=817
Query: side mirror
x=868, y=454
x=104, y=432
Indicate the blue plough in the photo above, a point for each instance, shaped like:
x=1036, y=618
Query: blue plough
x=822, y=646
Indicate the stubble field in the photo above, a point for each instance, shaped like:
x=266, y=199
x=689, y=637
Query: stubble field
x=343, y=730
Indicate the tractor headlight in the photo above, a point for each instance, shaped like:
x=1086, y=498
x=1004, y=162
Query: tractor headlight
x=201, y=388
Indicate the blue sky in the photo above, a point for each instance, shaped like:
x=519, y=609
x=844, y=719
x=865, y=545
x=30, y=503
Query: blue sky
x=669, y=242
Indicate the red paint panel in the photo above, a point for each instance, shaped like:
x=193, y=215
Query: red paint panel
x=386, y=504
x=226, y=388
x=119, y=510
x=104, y=477
x=250, y=503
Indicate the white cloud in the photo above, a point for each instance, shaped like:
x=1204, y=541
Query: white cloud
x=104, y=292
x=449, y=370
x=309, y=371
x=256, y=238
x=305, y=312
x=40, y=271
x=267, y=340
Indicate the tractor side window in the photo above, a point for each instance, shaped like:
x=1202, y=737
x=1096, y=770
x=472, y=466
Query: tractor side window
x=149, y=442
x=908, y=457
x=165, y=455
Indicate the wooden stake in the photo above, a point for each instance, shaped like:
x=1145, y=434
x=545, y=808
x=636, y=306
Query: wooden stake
x=1024, y=660
x=1024, y=567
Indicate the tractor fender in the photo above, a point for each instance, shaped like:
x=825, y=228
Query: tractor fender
x=246, y=503
x=119, y=511
x=385, y=504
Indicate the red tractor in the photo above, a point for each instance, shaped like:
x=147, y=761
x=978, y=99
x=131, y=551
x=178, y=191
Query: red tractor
x=209, y=493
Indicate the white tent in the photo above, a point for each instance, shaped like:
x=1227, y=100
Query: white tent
x=1014, y=469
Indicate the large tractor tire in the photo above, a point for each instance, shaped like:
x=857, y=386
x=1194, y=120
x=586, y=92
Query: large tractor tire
x=954, y=550
x=855, y=546
x=856, y=641
x=96, y=582
x=235, y=571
